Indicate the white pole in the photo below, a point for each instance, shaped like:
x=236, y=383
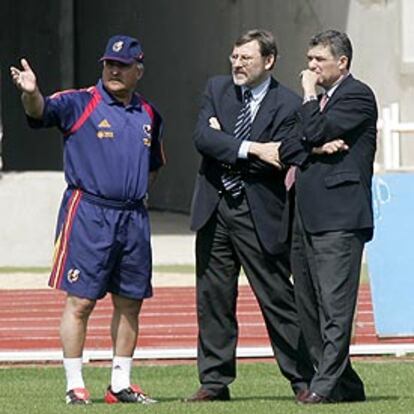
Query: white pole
x=1, y=127
x=386, y=138
x=395, y=136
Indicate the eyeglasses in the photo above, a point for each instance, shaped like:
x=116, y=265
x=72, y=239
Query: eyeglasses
x=243, y=59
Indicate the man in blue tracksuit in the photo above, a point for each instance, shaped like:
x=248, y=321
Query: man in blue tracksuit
x=112, y=150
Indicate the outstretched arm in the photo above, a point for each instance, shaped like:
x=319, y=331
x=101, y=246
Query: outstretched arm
x=25, y=80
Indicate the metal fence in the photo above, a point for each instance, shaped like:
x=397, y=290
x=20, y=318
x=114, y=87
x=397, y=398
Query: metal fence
x=391, y=131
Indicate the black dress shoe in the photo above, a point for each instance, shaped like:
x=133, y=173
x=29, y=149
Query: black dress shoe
x=203, y=395
x=301, y=394
x=313, y=398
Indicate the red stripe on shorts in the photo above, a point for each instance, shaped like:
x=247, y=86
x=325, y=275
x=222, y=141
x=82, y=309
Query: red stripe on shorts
x=60, y=257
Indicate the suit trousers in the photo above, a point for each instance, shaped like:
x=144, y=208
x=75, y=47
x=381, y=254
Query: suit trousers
x=227, y=242
x=326, y=268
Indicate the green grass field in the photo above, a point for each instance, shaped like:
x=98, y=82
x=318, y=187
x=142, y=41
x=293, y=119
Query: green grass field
x=259, y=389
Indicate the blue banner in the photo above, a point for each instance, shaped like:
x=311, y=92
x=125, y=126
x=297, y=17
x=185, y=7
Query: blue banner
x=391, y=255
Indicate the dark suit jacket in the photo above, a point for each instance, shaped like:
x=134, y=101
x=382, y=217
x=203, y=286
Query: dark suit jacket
x=264, y=185
x=333, y=192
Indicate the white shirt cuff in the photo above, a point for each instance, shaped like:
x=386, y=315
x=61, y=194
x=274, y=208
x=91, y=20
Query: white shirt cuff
x=244, y=150
x=309, y=98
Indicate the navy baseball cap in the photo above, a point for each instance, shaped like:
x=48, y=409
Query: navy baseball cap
x=123, y=49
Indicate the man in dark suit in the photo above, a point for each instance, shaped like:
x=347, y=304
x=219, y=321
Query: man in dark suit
x=333, y=213
x=237, y=206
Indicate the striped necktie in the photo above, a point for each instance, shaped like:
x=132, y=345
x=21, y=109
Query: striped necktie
x=232, y=181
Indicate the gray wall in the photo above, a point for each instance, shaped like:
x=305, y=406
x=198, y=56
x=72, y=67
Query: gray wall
x=29, y=29
x=185, y=42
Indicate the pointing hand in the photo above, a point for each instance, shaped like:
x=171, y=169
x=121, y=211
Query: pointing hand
x=24, y=78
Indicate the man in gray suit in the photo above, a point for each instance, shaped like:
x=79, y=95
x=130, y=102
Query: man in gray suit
x=333, y=212
x=237, y=207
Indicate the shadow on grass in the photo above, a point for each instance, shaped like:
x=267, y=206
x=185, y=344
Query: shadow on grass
x=282, y=398
x=379, y=398
x=265, y=398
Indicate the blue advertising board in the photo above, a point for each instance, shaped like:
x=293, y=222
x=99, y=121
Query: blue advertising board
x=390, y=255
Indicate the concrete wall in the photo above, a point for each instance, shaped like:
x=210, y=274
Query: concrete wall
x=29, y=29
x=375, y=27
x=193, y=43
x=293, y=23
x=185, y=42
x=29, y=203
x=28, y=211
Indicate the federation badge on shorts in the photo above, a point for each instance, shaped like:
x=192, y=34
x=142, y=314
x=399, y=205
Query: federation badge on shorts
x=117, y=46
x=73, y=275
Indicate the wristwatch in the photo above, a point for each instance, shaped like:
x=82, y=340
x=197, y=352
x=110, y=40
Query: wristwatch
x=309, y=98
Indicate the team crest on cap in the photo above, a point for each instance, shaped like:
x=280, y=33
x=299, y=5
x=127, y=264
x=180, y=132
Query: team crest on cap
x=73, y=275
x=117, y=46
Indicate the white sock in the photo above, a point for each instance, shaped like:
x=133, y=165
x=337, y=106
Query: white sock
x=73, y=371
x=121, y=373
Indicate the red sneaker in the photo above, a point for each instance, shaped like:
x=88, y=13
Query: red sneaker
x=77, y=396
x=132, y=394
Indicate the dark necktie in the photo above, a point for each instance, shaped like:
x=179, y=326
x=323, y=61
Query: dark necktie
x=291, y=174
x=231, y=180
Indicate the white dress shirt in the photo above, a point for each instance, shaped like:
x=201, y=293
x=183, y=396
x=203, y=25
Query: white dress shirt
x=258, y=94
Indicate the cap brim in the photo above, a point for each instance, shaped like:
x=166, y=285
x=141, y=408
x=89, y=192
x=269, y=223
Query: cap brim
x=118, y=59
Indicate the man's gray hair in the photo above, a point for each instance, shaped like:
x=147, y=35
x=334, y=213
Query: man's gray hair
x=338, y=43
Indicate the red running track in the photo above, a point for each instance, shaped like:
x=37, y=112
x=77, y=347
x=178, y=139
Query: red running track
x=29, y=320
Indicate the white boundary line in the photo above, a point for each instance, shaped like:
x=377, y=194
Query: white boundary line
x=191, y=353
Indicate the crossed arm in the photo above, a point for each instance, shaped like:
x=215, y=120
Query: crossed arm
x=269, y=151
